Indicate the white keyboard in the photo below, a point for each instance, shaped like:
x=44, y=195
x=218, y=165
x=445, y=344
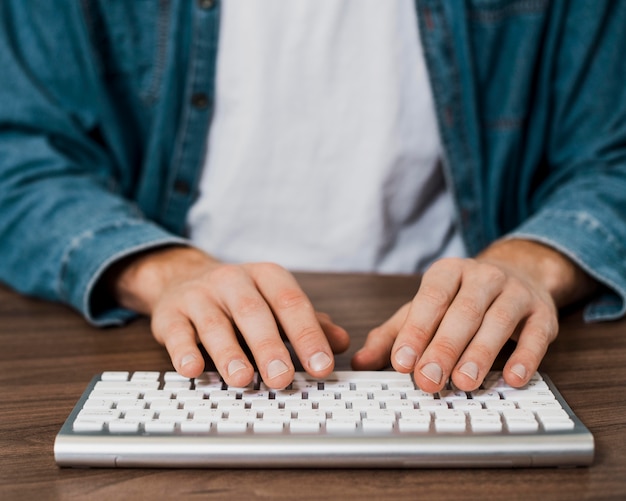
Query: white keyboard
x=349, y=419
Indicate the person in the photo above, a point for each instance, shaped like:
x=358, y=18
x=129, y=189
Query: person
x=180, y=159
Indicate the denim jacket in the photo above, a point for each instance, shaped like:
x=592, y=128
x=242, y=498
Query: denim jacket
x=105, y=107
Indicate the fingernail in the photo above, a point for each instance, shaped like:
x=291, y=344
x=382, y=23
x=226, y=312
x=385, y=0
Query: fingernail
x=433, y=372
x=406, y=357
x=470, y=369
x=275, y=368
x=235, y=366
x=187, y=359
x=319, y=361
x=519, y=370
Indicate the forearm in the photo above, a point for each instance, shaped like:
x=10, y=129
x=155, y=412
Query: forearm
x=565, y=281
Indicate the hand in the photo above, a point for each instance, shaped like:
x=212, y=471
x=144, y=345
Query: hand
x=193, y=298
x=466, y=309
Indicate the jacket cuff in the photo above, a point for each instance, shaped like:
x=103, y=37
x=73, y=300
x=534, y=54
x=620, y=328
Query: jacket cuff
x=588, y=243
x=92, y=253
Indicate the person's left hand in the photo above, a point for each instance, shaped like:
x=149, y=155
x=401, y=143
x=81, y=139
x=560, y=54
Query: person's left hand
x=465, y=311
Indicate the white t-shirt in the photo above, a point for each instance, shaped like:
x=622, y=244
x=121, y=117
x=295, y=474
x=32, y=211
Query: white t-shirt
x=324, y=151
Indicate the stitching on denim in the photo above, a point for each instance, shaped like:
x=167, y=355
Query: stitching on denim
x=497, y=13
x=160, y=54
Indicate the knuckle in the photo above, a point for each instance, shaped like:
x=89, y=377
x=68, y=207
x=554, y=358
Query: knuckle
x=469, y=308
x=306, y=335
x=415, y=331
x=227, y=273
x=436, y=296
x=447, y=350
x=250, y=305
x=291, y=298
x=503, y=317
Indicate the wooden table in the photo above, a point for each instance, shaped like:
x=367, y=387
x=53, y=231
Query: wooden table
x=48, y=354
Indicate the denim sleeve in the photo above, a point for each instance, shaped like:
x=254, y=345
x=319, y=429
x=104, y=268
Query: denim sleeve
x=63, y=219
x=581, y=206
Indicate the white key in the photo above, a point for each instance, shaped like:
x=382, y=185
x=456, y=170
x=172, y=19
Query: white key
x=207, y=414
x=255, y=396
x=185, y=395
x=175, y=415
x=217, y=395
x=283, y=415
x=346, y=414
x=130, y=403
x=231, y=426
x=551, y=414
x=96, y=403
x=175, y=376
x=114, y=376
x=177, y=385
x=377, y=426
x=86, y=424
x=413, y=425
x=330, y=405
x=466, y=405
x=418, y=395
x=268, y=426
x=139, y=414
x=304, y=426
x=312, y=415
x=163, y=403
x=480, y=426
x=151, y=395
x=449, y=425
x=369, y=386
x=519, y=395
x=432, y=404
x=192, y=426
x=452, y=395
x=159, y=426
x=398, y=405
x=484, y=395
x=319, y=395
x=536, y=405
x=264, y=404
x=558, y=424
x=381, y=414
x=500, y=405
x=105, y=414
x=364, y=405
x=247, y=415
x=124, y=426
x=340, y=425
x=386, y=395
x=231, y=404
x=283, y=395
x=400, y=385
x=520, y=426
x=295, y=405
x=145, y=376
x=126, y=385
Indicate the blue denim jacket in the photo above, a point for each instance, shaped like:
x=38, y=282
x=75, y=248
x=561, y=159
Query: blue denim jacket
x=105, y=107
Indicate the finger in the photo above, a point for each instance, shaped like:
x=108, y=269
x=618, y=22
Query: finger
x=536, y=335
x=250, y=312
x=338, y=338
x=376, y=351
x=436, y=292
x=501, y=321
x=297, y=317
x=218, y=336
x=175, y=332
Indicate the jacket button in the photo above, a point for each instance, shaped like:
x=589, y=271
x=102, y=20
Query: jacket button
x=181, y=187
x=206, y=4
x=200, y=101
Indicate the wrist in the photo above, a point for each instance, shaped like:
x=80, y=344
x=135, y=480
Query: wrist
x=553, y=271
x=137, y=281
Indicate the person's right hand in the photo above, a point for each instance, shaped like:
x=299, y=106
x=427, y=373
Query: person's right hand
x=192, y=298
